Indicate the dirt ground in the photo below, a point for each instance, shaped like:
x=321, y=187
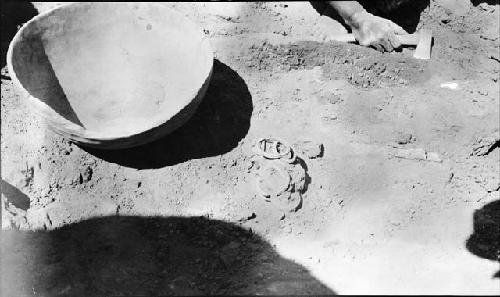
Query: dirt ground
x=390, y=199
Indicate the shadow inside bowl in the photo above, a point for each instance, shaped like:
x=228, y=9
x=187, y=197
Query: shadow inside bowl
x=220, y=122
x=43, y=83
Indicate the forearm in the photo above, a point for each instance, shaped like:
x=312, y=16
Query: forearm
x=348, y=10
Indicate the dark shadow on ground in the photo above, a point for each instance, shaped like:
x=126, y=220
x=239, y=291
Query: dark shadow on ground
x=148, y=256
x=405, y=13
x=485, y=240
x=14, y=196
x=220, y=122
x=13, y=14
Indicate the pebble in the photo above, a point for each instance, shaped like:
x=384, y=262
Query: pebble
x=404, y=138
x=411, y=154
x=86, y=176
x=483, y=145
x=310, y=149
x=450, y=177
x=434, y=157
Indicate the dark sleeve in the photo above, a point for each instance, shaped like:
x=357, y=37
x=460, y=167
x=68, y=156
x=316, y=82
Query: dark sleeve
x=319, y=6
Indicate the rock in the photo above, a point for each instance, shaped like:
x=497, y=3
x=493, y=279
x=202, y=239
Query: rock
x=310, y=149
x=452, y=85
x=247, y=218
x=484, y=145
x=418, y=154
x=490, y=33
x=411, y=154
x=87, y=174
x=450, y=177
x=434, y=157
x=404, y=138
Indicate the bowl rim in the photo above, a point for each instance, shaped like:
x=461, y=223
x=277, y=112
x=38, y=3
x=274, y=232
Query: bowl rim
x=74, y=131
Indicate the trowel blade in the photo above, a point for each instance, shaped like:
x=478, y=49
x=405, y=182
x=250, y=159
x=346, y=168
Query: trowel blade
x=423, y=50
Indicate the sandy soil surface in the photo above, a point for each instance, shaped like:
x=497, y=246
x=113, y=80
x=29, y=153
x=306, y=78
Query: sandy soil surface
x=396, y=166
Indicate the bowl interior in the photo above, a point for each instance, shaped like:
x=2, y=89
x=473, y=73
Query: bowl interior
x=114, y=69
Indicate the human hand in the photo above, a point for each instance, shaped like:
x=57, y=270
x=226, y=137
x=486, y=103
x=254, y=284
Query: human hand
x=377, y=32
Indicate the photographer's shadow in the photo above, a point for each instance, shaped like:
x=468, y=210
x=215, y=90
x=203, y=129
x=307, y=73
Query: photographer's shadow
x=148, y=256
x=484, y=242
x=220, y=122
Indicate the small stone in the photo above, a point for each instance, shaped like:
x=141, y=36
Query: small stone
x=450, y=177
x=310, y=149
x=411, y=154
x=86, y=176
x=248, y=217
x=404, y=138
x=484, y=145
x=434, y=157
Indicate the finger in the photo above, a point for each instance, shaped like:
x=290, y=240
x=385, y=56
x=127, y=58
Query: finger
x=387, y=45
x=394, y=40
x=378, y=47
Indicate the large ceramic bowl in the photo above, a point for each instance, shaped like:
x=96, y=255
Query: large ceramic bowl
x=112, y=75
